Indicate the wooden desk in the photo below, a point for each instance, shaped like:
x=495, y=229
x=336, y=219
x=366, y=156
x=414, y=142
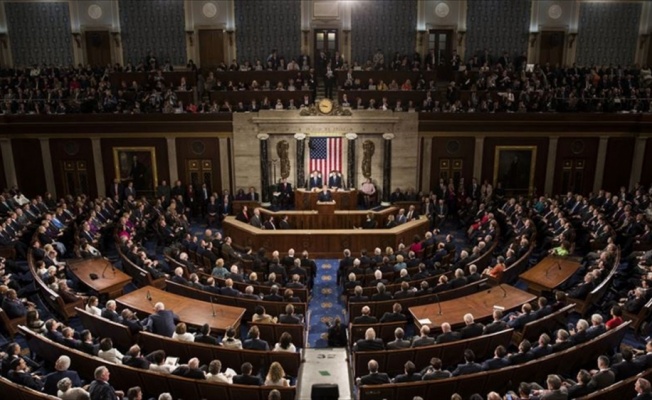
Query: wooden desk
x=479, y=304
x=549, y=273
x=307, y=200
x=110, y=281
x=192, y=312
x=323, y=243
x=338, y=219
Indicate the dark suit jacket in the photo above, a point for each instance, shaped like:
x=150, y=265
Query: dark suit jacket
x=136, y=362
x=601, y=379
x=423, y=341
x=186, y=372
x=51, y=380
x=467, y=368
x=415, y=377
x=163, y=322
x=247, y=380
x=398, y=344
x=288, y=319
x=448, y=337
x=431, y=376
x=374, y=379
x=365, y=319
x=369, y=345
x=471, y=331
x=393, y=317
x=494, y=363
x=494, y=327
x=255, y=344
x=625, y=369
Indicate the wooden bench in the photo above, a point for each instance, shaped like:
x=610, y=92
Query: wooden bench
x=584, y=305
x=15, y=391
x=10, y=325
x=141, y=277
x=512, y=272
x=101, y=327
x=66, y=310
x=392, y=361
x=378, y=308
x=384, y=331
x=548, y=324
x=640, y=318
x=500, y=380
x=619, y=390
x=152, y=383
x=271, y=333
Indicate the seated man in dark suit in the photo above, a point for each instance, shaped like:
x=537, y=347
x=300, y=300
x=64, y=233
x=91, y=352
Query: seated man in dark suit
x=369, y=343
x=399, y=342
x=498, y=361
x=133, y=358
x=190, y=370
x=254, y=342
x=627, y=367
x=578, y=388
x=472, y=328
x=61, y=371
x=204, y=336
x=447, y=334
x=562, y=342
x=110, y=312
x=365, y=318
x=470, y=366
x=434, y=371
x=395, y=316
x=12, y=305
x=583, y=289
x=543, y=348
x=523, y=354
x=245, y=378
x=410, y=375
x=162, y=322
x=424, y=339
x=374, y=377
x=357, y=295
x=497, y=325
x=604, y=377
x=19, y=374
x=382, y=293
x=289, y=317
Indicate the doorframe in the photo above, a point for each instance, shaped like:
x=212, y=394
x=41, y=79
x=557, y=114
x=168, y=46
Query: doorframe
x=565, y=57
x=115, y=42
x=192, y=52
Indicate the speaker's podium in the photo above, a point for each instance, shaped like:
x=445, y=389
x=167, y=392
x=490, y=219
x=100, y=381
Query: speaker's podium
x=324, y=391
x=326, y=214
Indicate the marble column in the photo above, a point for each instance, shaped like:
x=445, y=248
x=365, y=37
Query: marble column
x=48, y=169
x=172, y=161
x=301, y=159
x=225, y=176
x=8, y=161
x=264, y=166
x=387, y=166
x=96, y=145
x=477, y=159
x=350, y=160
x=599, y=165
x=637, y=161
x=426, y=164
x=550, y=166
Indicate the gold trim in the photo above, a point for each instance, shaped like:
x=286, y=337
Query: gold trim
x=533, y=163
x=152, y=152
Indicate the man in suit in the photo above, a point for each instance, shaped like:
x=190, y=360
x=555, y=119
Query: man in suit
x=447, y=334
x=134, y=358
x=395, y=316
x=627, y=367
x=284, y=223
x=285, y=193
x=643, y=389
x=335, y=180
x=100, y=388
x=162, y=322
x=374, y=377
x=269, y=224
x=469, y=366
x=254, y=342
x=523, y=354
x=190, y=370
x=583, y=289
x=325, y=195
x=290, y=317
x=357, y=295
x=409, y=375
x=562, y=342
x=472, y=328
x=424, y=339
x=365, y=318
x=252, y=195
x=243, y=215
x=543, y=348
x=412, y=214
x=229, y=290
x=554, y=391
x=604, y=377
x=245, y=377
x=498, y=361
x=110, y=312
x=315, y=181
x=12, y=305
x=382, y=293
x=255, y=219
x=204, y=336
x=61, y=371
x=369, y=343
x=398, y=342
x=434, y=371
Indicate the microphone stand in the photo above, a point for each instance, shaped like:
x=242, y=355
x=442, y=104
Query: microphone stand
x=503, y=289
x=149, y=296
x=212, y=306
x=105, y=268
x=438, y=303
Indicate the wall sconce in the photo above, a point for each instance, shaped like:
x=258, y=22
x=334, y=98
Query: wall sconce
x=116, y=38
x=643, y=40
x=3, y=39
x=190, y=36
x=571, y=39
x=77, y=37
x=533, y=38
x=346, y=36
x=230, y=33
x=422, y=33
x=460, y=37
x=305, y=36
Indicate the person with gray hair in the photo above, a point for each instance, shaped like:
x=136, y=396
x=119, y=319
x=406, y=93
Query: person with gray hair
x=100, y=388
x=61, y=371
x=67, y=392
x=369, y=343
x=165, y=396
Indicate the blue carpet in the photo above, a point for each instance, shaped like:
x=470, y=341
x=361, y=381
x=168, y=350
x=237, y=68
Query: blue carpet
x=325, y=303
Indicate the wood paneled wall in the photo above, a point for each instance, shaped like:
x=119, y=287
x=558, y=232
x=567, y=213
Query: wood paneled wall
x=618, y=163
x=199, y=149
x=489, y=150
x=452, y=148
x=573, y=150
x=72, y=150
x=28, y=161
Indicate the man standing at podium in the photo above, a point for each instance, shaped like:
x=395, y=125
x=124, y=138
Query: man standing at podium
x=325, y=195
x=335, y=180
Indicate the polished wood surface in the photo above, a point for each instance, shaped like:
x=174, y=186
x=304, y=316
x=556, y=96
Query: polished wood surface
x=338, y=219
x=307, y=199
x=110, y=280
x=324, y=243
x=480, y=304
x=192, y=312
x=549, y=273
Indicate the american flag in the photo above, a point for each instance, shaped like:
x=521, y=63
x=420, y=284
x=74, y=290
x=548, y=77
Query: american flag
x=325, y=155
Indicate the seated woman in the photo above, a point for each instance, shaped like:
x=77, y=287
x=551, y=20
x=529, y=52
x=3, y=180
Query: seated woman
x=285, y=343
x=181, y=333
x=275, y=376
x=230, y=341
x=108, y=352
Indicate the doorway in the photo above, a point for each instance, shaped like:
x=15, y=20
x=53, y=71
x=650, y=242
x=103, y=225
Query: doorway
x=98, y=48
x=441, y=41
x=551, y=48
x=211, y=48
x=326, y=41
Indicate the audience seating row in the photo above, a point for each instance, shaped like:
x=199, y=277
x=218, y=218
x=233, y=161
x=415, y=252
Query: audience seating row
x=501, y=380
x=15, y=391
x=10, y=325
x=619, y=390
x=594, y=297
x=548, y=324
x=152, y=383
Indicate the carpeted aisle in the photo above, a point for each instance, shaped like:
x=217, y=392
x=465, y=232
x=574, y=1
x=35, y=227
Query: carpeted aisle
x=325, y=303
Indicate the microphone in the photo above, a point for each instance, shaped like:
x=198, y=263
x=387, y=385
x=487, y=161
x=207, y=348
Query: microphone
x=212, y=306
x=503, y=289
x=105, y=267
x=438, y=303
x=149, y=296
